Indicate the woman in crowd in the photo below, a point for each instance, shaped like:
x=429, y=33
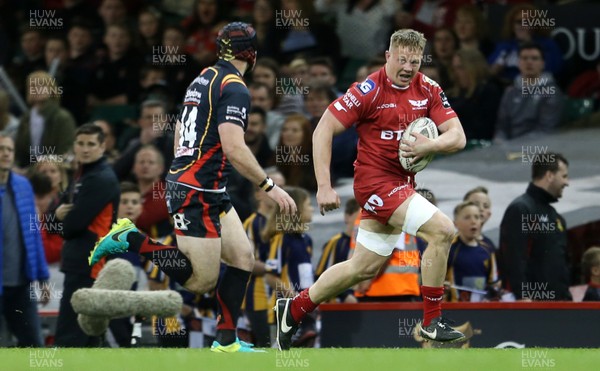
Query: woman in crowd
x=294, y=153
x=474, y=96
x=471, y=30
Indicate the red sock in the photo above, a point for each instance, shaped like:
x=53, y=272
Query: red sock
x=432, y=303
x=302, y=305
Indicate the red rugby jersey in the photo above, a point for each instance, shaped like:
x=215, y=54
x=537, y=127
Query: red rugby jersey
x=381, y=111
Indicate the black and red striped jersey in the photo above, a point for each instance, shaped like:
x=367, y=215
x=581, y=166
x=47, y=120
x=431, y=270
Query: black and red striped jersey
x=216, y=96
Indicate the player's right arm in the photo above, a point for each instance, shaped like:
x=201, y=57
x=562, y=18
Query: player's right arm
x=243, y=160
x=328, y=126
x=340, y=115
x=232, y=119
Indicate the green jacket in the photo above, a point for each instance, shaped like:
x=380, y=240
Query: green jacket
x=57, y=138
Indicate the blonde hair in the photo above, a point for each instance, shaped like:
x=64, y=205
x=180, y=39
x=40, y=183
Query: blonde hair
x=64, y=177
x=408, y=38
x=463, y=205
x=590, y=259
x=479, y=189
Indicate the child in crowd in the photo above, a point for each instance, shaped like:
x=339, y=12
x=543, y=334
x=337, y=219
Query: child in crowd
x=471, y=264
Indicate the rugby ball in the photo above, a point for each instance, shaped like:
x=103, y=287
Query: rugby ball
x=426, y=127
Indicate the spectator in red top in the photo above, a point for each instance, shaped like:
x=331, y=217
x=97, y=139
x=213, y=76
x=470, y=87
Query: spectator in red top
x=148, y=168
x=56, y=174
x=42, y=190
x=201, y=30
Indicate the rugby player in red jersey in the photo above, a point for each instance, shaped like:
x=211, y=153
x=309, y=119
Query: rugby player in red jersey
x=382, y=107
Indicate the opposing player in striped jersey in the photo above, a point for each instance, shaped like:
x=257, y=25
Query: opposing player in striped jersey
x=209, y=139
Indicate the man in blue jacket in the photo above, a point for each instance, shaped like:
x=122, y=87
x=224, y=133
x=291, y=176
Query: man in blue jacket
x=22, y=259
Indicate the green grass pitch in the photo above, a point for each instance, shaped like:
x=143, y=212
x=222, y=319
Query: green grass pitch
x=300, y=359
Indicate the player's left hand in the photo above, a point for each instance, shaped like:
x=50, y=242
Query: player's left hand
x=419, y=148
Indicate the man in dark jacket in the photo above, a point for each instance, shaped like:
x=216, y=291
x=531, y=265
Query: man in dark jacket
x=22, y=260
x=87, y=211
x=533, y=236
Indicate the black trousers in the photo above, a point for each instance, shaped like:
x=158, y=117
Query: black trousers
x=68, y=332
x=20, y=311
